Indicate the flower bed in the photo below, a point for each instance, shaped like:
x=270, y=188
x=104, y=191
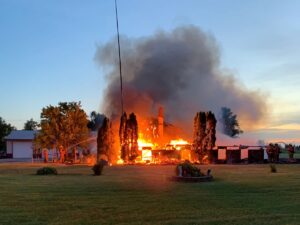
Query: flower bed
x=186, y=172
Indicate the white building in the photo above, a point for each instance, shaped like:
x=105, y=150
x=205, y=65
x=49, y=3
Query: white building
x=19, y=144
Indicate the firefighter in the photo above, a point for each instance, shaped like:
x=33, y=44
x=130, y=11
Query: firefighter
x=62, y=154
x=276, y=152
x=45, y=154
x=270, y=152
x=291, y=151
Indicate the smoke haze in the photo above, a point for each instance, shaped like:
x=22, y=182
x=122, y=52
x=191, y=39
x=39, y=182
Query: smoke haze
x=179, y=70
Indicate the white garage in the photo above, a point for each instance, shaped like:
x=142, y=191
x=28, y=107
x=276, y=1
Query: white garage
x=22, y=149
x=19, y=144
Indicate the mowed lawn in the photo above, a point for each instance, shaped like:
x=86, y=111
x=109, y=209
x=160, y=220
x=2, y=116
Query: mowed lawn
x=240, y=194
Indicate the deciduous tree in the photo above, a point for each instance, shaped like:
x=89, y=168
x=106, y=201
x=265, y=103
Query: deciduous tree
x=5, y=129
x=62, y=127
x=230, y=123
x=31, y=125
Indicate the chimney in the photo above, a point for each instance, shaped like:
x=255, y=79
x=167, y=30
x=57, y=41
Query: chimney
x=161, y=122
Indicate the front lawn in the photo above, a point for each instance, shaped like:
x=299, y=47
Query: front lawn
x=240, y=194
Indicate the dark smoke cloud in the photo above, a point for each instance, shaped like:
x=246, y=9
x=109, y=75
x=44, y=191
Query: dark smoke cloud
x=179, y=70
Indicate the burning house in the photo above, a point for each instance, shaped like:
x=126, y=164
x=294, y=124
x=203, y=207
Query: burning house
x=153, y=140
x=160, y=147
x=179, y=70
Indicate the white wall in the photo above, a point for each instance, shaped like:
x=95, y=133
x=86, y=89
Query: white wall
x=22, y=149
x=9, y=147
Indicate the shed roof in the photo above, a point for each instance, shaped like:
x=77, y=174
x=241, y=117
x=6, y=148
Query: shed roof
x=21, y=135
x=29, y=135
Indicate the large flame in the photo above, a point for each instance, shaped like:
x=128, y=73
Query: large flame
x=120, y=162
x=143, y=143
x=178, y=142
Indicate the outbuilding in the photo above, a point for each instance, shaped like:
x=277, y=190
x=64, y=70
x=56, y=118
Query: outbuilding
x=19, y=144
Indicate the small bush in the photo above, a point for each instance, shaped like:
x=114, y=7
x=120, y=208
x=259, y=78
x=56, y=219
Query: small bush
x=46, y=171
x=98, y=167
x=188, y=170
x=273, y=168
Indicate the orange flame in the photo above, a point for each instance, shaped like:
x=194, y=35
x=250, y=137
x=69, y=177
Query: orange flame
x=91, y=160
x=144, y=143
x=178, y=142
x=120, y=162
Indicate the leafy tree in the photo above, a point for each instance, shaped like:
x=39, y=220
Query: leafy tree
x=230, y=123
x=5, y=129
x=96, y=120
x=62, y=127
x=31, y=125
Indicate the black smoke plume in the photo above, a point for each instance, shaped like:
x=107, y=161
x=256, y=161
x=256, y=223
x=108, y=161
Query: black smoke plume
x=179, y=70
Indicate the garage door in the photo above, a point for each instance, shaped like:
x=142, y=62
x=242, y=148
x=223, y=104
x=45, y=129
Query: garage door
x=22, y=149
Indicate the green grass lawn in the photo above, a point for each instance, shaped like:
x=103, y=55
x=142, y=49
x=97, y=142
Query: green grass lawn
x=240, y=194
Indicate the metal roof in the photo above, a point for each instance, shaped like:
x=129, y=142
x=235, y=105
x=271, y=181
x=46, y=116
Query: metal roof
x=21, y=135
x=29, y=134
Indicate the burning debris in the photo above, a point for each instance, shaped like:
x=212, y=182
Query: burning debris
x=204, y=133
x=128, y=133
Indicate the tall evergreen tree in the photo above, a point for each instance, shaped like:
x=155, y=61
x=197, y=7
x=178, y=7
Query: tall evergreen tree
x=131, y=137
x=128, y=133
x=104, y=140
x=123, y=121
x=211, y=124
x=204, y=133
x=199, y=130
x=230, y=123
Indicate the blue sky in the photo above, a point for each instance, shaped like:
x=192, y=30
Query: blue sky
x=47, y=49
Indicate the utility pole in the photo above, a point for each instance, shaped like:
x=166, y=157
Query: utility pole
x=120, y=62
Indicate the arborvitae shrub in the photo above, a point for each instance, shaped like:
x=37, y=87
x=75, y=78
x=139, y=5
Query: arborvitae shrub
x=98, y=168
x=189, y=170
x=46, y=171
x=273, y=168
